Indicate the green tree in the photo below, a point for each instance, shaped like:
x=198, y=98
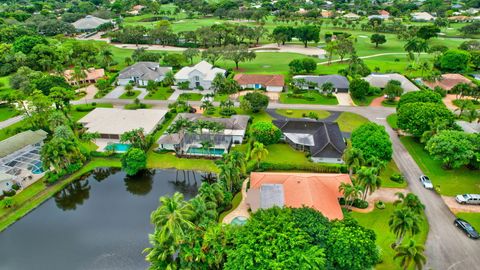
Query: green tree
x=212, y=54
x=353, y=158
x=416, y=118
x=378, y=39
x=453, y=148
x=402, y=222
x=134, y=160
x=61, y=97
x=190, y=53
x=259, y=152
x=267, y=229
x=373, y=141
x=410, y=201
x=369, y=180
x=265, y=132
x=137, y=139
x=420, y=96
x=169, y=79
x=411, y=254
x=254, y=102
x=238, y=54
x=427, y=32
x=393, y=89
x=454, y=60
x=359, y=89
x=309, y=65
x=307, y=33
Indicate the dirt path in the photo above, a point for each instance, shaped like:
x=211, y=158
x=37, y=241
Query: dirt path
x=377, y=102
x=363, y=57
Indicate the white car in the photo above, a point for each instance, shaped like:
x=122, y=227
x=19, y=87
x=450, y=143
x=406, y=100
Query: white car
x=468, y=199
x=426, y=182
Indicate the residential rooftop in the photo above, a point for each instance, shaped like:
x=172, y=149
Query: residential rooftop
x=21, y=140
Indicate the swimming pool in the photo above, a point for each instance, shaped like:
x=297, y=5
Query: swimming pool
x=118, y=147
x=201, y=151
x=37, y=168
x=240, y=220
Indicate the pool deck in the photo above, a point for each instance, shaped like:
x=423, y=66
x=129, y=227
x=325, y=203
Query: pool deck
x=242, y=208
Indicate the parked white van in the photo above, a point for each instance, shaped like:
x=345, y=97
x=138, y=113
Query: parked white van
x=468, y=199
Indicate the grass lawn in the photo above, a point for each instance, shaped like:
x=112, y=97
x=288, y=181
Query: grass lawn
x=299, y=113
x=190, y=97
x=235, y=202
x=38, y=192
x=7, y=112
x=260, y=116
x=133, y=106
x=220, y=97
x=163, y=93
x=387, y=172
x=451, y=182
x=392, y=120
x=14, y=129
x=472, y=218
x=284, y=153
x=377, y=220
x=349, y=121
x=169, y=160
x=77, y=115
x=457, y=102
x=314, y=97
x=364, y=102
x=132, y=96
x=392, y=104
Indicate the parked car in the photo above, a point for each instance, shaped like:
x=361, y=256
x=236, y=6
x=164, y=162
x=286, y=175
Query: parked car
x=426, y=182
x=468, y=199
x=466, y=228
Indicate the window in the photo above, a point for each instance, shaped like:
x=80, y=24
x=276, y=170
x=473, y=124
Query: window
x=197, y=78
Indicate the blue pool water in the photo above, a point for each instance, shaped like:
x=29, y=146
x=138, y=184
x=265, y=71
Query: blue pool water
x=37, y=169
x=211, y=151
x=118, y=147
x=239, y=220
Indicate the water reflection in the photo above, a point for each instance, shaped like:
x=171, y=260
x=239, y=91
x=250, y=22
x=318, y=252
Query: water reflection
x=74, y=194
x=94, y=223
x=140, y=184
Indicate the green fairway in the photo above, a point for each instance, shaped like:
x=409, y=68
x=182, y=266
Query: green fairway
x=377, y=220
x=348, y=121
x=451, y=182
x=163, y=93
x=311, y=97
x=302, y=113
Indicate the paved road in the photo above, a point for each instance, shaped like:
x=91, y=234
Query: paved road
x=446, y=246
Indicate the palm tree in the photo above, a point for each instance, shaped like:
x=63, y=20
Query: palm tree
x=259, y=152
x=173, y=217
x=472, y=114
x=403, y=221
x=212, y=193
x=128, y=61
x=347, y=190
x=206, y=105
x=353, y=158
x=410, y=201
x=129, y=89
x=229, y=175
x=327, y=87
x=369, y=179
x=238, y=160
x=79, y=75
x=107, y=57
x=203, y=211
x=425, y=66
x=169, y=79
x=206, y=145
x=411, y=253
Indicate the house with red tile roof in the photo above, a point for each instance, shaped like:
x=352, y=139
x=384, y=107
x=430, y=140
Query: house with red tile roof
x=92, y=75
x=285, y=189
x=448, y=81
x=272, y=83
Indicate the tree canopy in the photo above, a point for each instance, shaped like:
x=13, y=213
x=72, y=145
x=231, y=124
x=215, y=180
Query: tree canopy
x=373, y=141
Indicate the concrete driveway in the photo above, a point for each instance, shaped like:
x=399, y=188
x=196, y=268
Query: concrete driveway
x=344, y=99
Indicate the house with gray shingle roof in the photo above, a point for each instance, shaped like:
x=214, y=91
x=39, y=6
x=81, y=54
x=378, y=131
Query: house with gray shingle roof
x=89, y=23
x=381, y=80
x=340, y=83
x=142, y=72
x=323, y=140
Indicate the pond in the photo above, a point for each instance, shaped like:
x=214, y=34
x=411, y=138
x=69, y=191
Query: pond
x=101, y=221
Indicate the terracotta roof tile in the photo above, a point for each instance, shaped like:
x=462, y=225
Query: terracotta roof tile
x=266, y=80
x=318, y=191
x=448, y=81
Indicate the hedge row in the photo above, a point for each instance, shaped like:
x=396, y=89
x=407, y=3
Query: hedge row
x=310, y=167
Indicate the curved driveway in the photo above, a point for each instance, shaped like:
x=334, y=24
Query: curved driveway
x=446, y=246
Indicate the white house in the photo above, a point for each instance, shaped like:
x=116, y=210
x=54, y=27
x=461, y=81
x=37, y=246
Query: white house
x=89, y=23
x=200, y=75
x=422, y=16
x=142, y=72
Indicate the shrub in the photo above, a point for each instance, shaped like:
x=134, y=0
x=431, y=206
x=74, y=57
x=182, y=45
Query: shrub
x=9, y=193
x=359, y=203
x=310, y=167
x=265, y=132
x=396, y=177
x=442, y=92
x=15, y=186
x=380, y=205
x=373, y=141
